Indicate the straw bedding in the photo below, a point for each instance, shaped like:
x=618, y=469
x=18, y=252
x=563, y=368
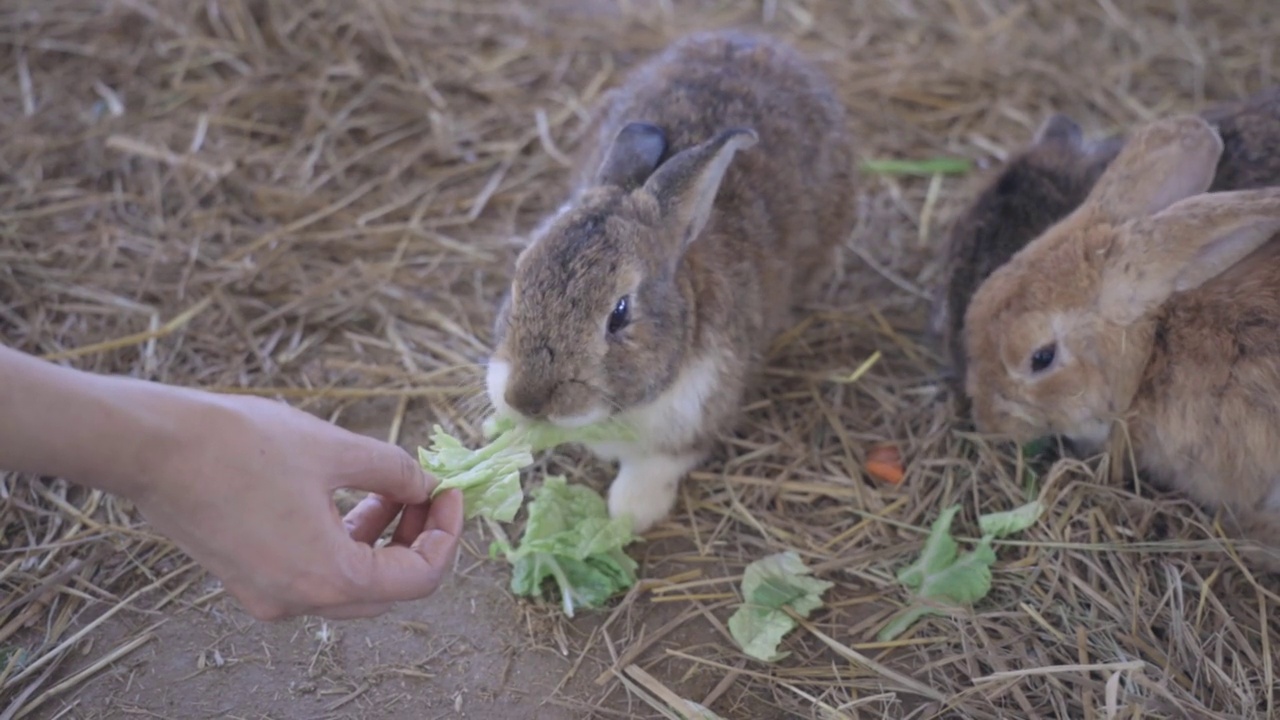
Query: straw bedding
x=320, y=201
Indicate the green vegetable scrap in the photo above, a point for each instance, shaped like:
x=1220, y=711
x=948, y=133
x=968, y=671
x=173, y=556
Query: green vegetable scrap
x=1031, y=452
x=490, y=476
x=769, y=584
x=1003, y=524
x=569, y=536
x=1035, y=448
x=933, y=166
x=941, y=579
x=571, y=539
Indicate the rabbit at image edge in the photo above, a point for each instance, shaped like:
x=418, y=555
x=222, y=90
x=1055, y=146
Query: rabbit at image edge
x=1049, y=178
x=715, y=188
x=1157, y=304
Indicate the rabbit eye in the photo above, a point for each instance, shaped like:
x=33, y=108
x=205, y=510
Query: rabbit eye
x=621, y=315
x=1043, y=357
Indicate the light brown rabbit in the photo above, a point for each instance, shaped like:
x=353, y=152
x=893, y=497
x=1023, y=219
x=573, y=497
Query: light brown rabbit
x=1050, y=177
x=1156, y=304
x=716, y=188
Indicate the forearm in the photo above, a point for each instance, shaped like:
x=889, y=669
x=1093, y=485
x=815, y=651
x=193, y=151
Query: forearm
x=94, y=430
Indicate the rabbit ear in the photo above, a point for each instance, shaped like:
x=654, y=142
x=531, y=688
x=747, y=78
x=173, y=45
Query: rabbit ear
x=1162, y=163
x=1184, y=246
x=686, y=185
x=631, y=159
x=1059, y=128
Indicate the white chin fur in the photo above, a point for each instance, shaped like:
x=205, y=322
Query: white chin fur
x=496, y=384
x=1091, y=436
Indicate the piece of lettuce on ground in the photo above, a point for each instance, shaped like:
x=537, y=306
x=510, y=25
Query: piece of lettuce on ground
x=570, y=539
x=1002, y=524
x=768, y=585
x=941, y=580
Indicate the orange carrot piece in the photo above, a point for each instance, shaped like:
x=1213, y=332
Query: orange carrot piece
x=884, y=463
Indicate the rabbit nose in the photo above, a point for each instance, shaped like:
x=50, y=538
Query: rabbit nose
x=531, y=403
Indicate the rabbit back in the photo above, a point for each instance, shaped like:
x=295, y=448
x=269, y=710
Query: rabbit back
x=783, y=208
x=1207, y=413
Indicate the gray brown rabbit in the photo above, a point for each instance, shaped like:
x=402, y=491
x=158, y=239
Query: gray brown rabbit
x=1156, y=305
x=1050, y=178
x=714, y=189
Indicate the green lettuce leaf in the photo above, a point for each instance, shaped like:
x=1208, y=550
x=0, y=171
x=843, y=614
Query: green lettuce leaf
x=570, y=539
x=931, y=166
x=1002, y=524
x=489, y=477
x=941, y=579
x=768, y=585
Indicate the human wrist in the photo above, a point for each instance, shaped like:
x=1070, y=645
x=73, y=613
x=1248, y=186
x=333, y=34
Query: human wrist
x=101, y=431
x=132, y=429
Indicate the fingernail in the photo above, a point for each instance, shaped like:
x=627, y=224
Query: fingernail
x=434, y=544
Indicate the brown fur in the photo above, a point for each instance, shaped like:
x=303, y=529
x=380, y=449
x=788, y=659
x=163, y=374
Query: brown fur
x=1049, y=179
x=1162, y=304
x=785, y=203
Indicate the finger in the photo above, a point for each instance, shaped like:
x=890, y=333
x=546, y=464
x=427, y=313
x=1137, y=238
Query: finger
x=375, y=466
x=446, y=512
x=397, y=573
x=366, y=522
x=412, y=522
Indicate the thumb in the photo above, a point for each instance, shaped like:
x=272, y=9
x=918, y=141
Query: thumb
x=379, y=467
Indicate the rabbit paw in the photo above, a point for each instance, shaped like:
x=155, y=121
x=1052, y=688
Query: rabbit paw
x=645, y=488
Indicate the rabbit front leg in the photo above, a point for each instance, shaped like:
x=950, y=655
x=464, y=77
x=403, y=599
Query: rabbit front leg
x=646, y=486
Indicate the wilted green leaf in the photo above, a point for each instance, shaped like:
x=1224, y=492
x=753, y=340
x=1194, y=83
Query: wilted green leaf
x=571, y=539
x=768, y=585
x=942, y=580
x=938, y=553
x=1002, y=524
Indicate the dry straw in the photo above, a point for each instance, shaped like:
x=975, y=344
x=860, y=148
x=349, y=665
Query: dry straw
x=316, y=201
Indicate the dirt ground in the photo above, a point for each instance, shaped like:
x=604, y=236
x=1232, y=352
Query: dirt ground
x=472, y=650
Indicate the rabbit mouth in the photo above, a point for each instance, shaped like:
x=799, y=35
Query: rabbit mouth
x=568, y=404
x=1089, y=436
x=1012, y=420
x=579, y=420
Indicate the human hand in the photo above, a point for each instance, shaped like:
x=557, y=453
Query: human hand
x=245, y=486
